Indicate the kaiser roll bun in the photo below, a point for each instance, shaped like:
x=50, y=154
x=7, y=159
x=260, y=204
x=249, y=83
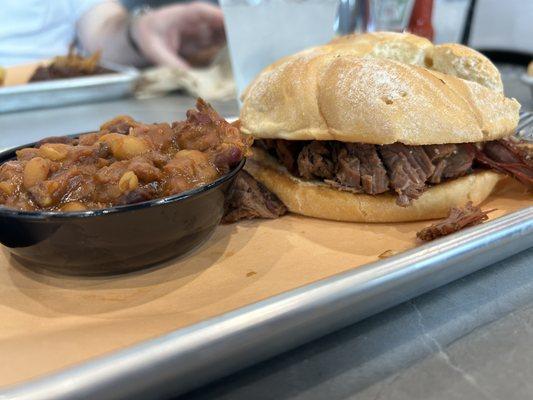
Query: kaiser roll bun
x=377, y=88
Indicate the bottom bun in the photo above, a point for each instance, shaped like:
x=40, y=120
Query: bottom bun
x=316, y=199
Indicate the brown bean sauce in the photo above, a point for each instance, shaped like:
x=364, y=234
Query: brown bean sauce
x=124, y=162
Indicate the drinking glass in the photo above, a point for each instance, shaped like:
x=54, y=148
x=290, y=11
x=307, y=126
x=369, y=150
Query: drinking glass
x=263, y=31
x=373, y=15
x=389, y=15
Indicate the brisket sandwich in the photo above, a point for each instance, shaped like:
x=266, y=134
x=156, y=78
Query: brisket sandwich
x=382, y=127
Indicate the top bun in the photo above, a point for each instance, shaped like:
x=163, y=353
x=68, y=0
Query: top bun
x=380, y=88
x=449, y=58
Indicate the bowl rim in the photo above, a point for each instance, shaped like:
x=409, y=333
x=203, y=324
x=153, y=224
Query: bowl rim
x=11, y=212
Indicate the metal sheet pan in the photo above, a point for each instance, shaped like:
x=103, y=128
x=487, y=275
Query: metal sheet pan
x=192, y=356
x=62, y=92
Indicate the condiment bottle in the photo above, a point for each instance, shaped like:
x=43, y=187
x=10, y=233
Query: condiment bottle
x=420, y=22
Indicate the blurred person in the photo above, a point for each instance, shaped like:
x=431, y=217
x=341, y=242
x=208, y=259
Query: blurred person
x=174, y=35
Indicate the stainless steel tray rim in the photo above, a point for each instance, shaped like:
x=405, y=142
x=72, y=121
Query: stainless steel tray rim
x=70, y=91
x=70, y=83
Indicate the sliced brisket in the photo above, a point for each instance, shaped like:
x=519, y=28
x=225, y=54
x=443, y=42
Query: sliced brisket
x=314, y=161
x=409, y=167
x=437, y=152
x=459, y=163
x=250, y=199
x=406, y=170
x=438, y=155
x=450, y=160
x=506, y=157
x=359, y=169
x=348, y=171
x=287, y=152
x=374, y=178
x=458, y=219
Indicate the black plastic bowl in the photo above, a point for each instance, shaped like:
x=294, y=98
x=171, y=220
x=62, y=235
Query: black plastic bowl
x=118, y=239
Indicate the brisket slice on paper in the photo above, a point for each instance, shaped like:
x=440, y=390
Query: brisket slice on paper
x=250, y=199
x=458, y=219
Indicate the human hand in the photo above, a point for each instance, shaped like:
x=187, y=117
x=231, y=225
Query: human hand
x=180, y=35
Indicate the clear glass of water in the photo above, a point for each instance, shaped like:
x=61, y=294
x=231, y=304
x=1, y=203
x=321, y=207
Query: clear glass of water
x=389, y=15
x=263, y=31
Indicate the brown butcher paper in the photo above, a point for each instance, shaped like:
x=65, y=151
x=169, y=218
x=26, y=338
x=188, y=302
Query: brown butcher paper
x=51, y=322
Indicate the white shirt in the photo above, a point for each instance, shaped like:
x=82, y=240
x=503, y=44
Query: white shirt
x=32, y=30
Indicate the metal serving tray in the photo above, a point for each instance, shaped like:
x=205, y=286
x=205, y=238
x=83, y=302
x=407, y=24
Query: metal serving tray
x=192, y=356
x=62, y=92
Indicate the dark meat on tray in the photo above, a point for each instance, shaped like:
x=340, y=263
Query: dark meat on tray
x=70, y=66
x=458, y=219
x=506, y=157
x=250, y=199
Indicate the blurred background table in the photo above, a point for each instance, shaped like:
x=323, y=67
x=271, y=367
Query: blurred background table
x=470, y=339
